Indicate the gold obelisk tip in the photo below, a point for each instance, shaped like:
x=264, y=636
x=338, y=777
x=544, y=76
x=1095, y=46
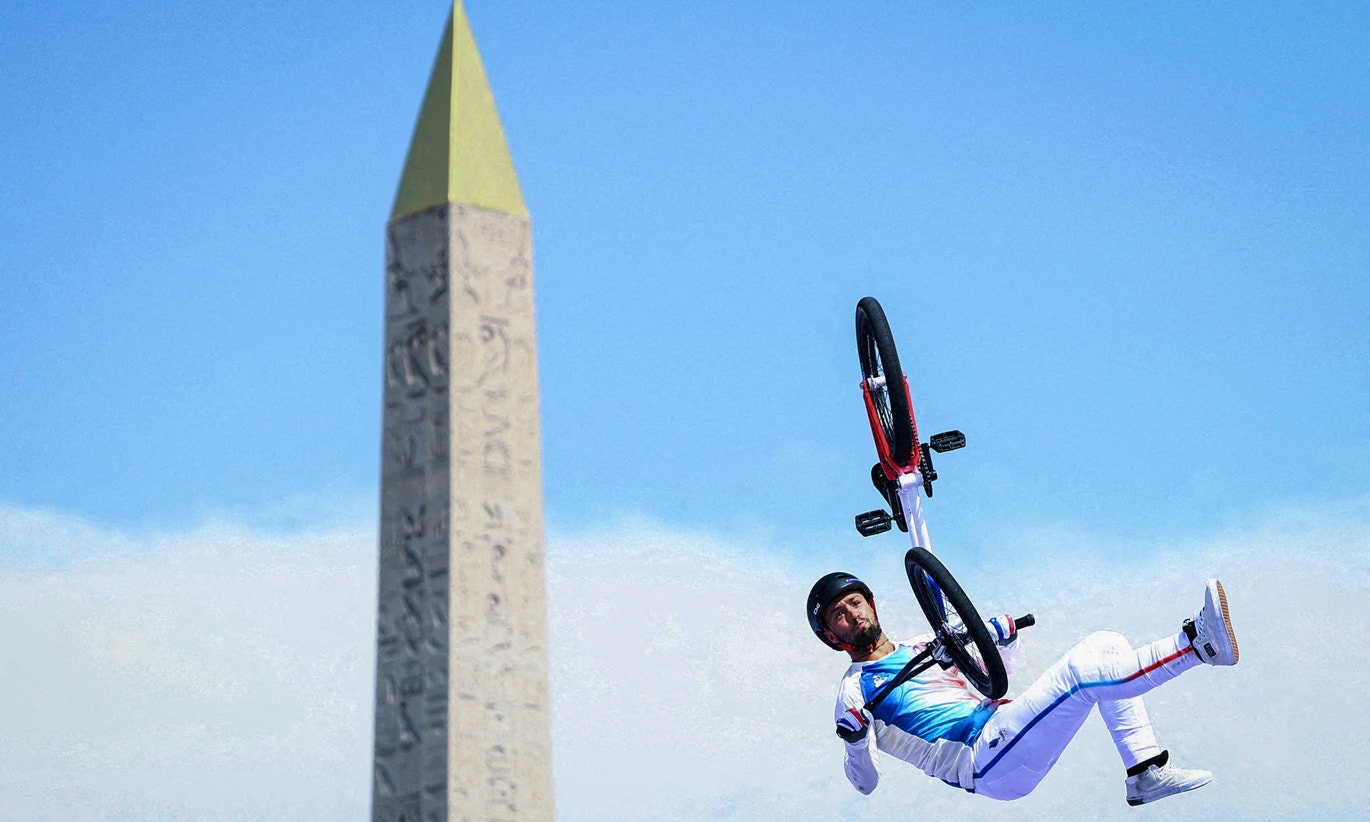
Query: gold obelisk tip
x=458, y=153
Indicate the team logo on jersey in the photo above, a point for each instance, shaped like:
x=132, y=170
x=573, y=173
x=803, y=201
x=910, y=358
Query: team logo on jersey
x=879, y=680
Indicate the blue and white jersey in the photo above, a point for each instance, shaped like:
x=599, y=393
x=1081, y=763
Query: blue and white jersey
x=931, y=721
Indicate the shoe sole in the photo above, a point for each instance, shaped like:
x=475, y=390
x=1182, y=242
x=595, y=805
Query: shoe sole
x=1211, y=652
x=1227, y=621
x=1135, y=802
x=1177, y=791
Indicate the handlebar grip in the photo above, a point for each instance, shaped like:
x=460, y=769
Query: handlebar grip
x=1025, y=621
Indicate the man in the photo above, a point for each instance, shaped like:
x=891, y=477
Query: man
x=1002, y=749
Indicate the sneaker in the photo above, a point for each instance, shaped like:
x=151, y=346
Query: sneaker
x=1160, y=781
x=1210, y=632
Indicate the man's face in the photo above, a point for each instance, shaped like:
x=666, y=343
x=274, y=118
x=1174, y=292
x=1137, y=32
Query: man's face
x=851, y=620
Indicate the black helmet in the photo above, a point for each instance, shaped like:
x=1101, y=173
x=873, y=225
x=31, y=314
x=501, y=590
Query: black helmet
x=824, y=592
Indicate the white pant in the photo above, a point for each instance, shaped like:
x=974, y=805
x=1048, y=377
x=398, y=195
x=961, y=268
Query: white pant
x=1025, y=737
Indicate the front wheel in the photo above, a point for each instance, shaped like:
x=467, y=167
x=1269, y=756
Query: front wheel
x=958, y=626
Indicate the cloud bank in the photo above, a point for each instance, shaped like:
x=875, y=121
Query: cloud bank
x=226, y=673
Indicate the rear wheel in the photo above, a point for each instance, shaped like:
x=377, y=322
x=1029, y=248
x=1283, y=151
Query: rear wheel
x=884, y=379
x=957, y=624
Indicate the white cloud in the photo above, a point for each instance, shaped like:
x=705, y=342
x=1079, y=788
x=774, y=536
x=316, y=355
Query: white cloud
x=226, y=673
x=219, y=673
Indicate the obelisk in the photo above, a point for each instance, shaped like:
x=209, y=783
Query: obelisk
x=462, y=710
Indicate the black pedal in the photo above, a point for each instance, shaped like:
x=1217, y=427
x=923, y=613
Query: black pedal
x=947, y=441
x=873, y=522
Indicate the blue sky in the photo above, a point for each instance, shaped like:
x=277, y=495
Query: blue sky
x=1122, y=247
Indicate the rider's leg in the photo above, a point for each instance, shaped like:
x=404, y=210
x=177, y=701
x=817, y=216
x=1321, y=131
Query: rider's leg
x=1025, y=737
x=1130, y=728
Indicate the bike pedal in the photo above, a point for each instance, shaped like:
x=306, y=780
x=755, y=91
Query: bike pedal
x=947, y=441
x=873, y=522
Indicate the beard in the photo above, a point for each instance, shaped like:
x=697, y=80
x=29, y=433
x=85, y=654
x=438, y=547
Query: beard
x=865, y=636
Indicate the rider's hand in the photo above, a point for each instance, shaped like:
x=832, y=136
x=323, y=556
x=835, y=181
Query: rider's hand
x=854, y=725
x=1005, y=632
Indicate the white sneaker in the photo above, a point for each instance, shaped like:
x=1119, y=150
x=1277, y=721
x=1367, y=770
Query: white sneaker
x=1160, y=781
x=1210, y=633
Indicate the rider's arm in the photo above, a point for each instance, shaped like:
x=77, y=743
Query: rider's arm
x=863, y=770
x=1013, y=657
x=1005, y=634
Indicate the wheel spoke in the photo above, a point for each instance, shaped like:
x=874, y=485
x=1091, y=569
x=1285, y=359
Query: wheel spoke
x=885, y=382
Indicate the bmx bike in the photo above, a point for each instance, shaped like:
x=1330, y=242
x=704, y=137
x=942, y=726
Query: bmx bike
x=903, y=475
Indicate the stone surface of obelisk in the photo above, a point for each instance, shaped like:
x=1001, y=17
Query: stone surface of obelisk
x=462, y=726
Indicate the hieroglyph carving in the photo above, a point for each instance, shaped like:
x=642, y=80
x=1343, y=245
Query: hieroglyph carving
x=462, y=727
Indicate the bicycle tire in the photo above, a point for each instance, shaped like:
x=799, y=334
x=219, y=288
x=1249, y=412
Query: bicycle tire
x=875, y=348
x=956, y=623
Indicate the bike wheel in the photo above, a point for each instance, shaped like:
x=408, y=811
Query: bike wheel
x=889, y=392
x=956, y=623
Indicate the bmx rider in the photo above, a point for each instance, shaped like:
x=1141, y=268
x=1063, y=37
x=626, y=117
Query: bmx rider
x=1002, y=749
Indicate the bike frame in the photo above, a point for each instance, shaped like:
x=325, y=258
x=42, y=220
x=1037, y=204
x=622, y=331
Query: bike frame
x=908, y=479
x=911, y=499
x=891, y=469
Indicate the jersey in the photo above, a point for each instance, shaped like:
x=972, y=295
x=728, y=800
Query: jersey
x=931, y=721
